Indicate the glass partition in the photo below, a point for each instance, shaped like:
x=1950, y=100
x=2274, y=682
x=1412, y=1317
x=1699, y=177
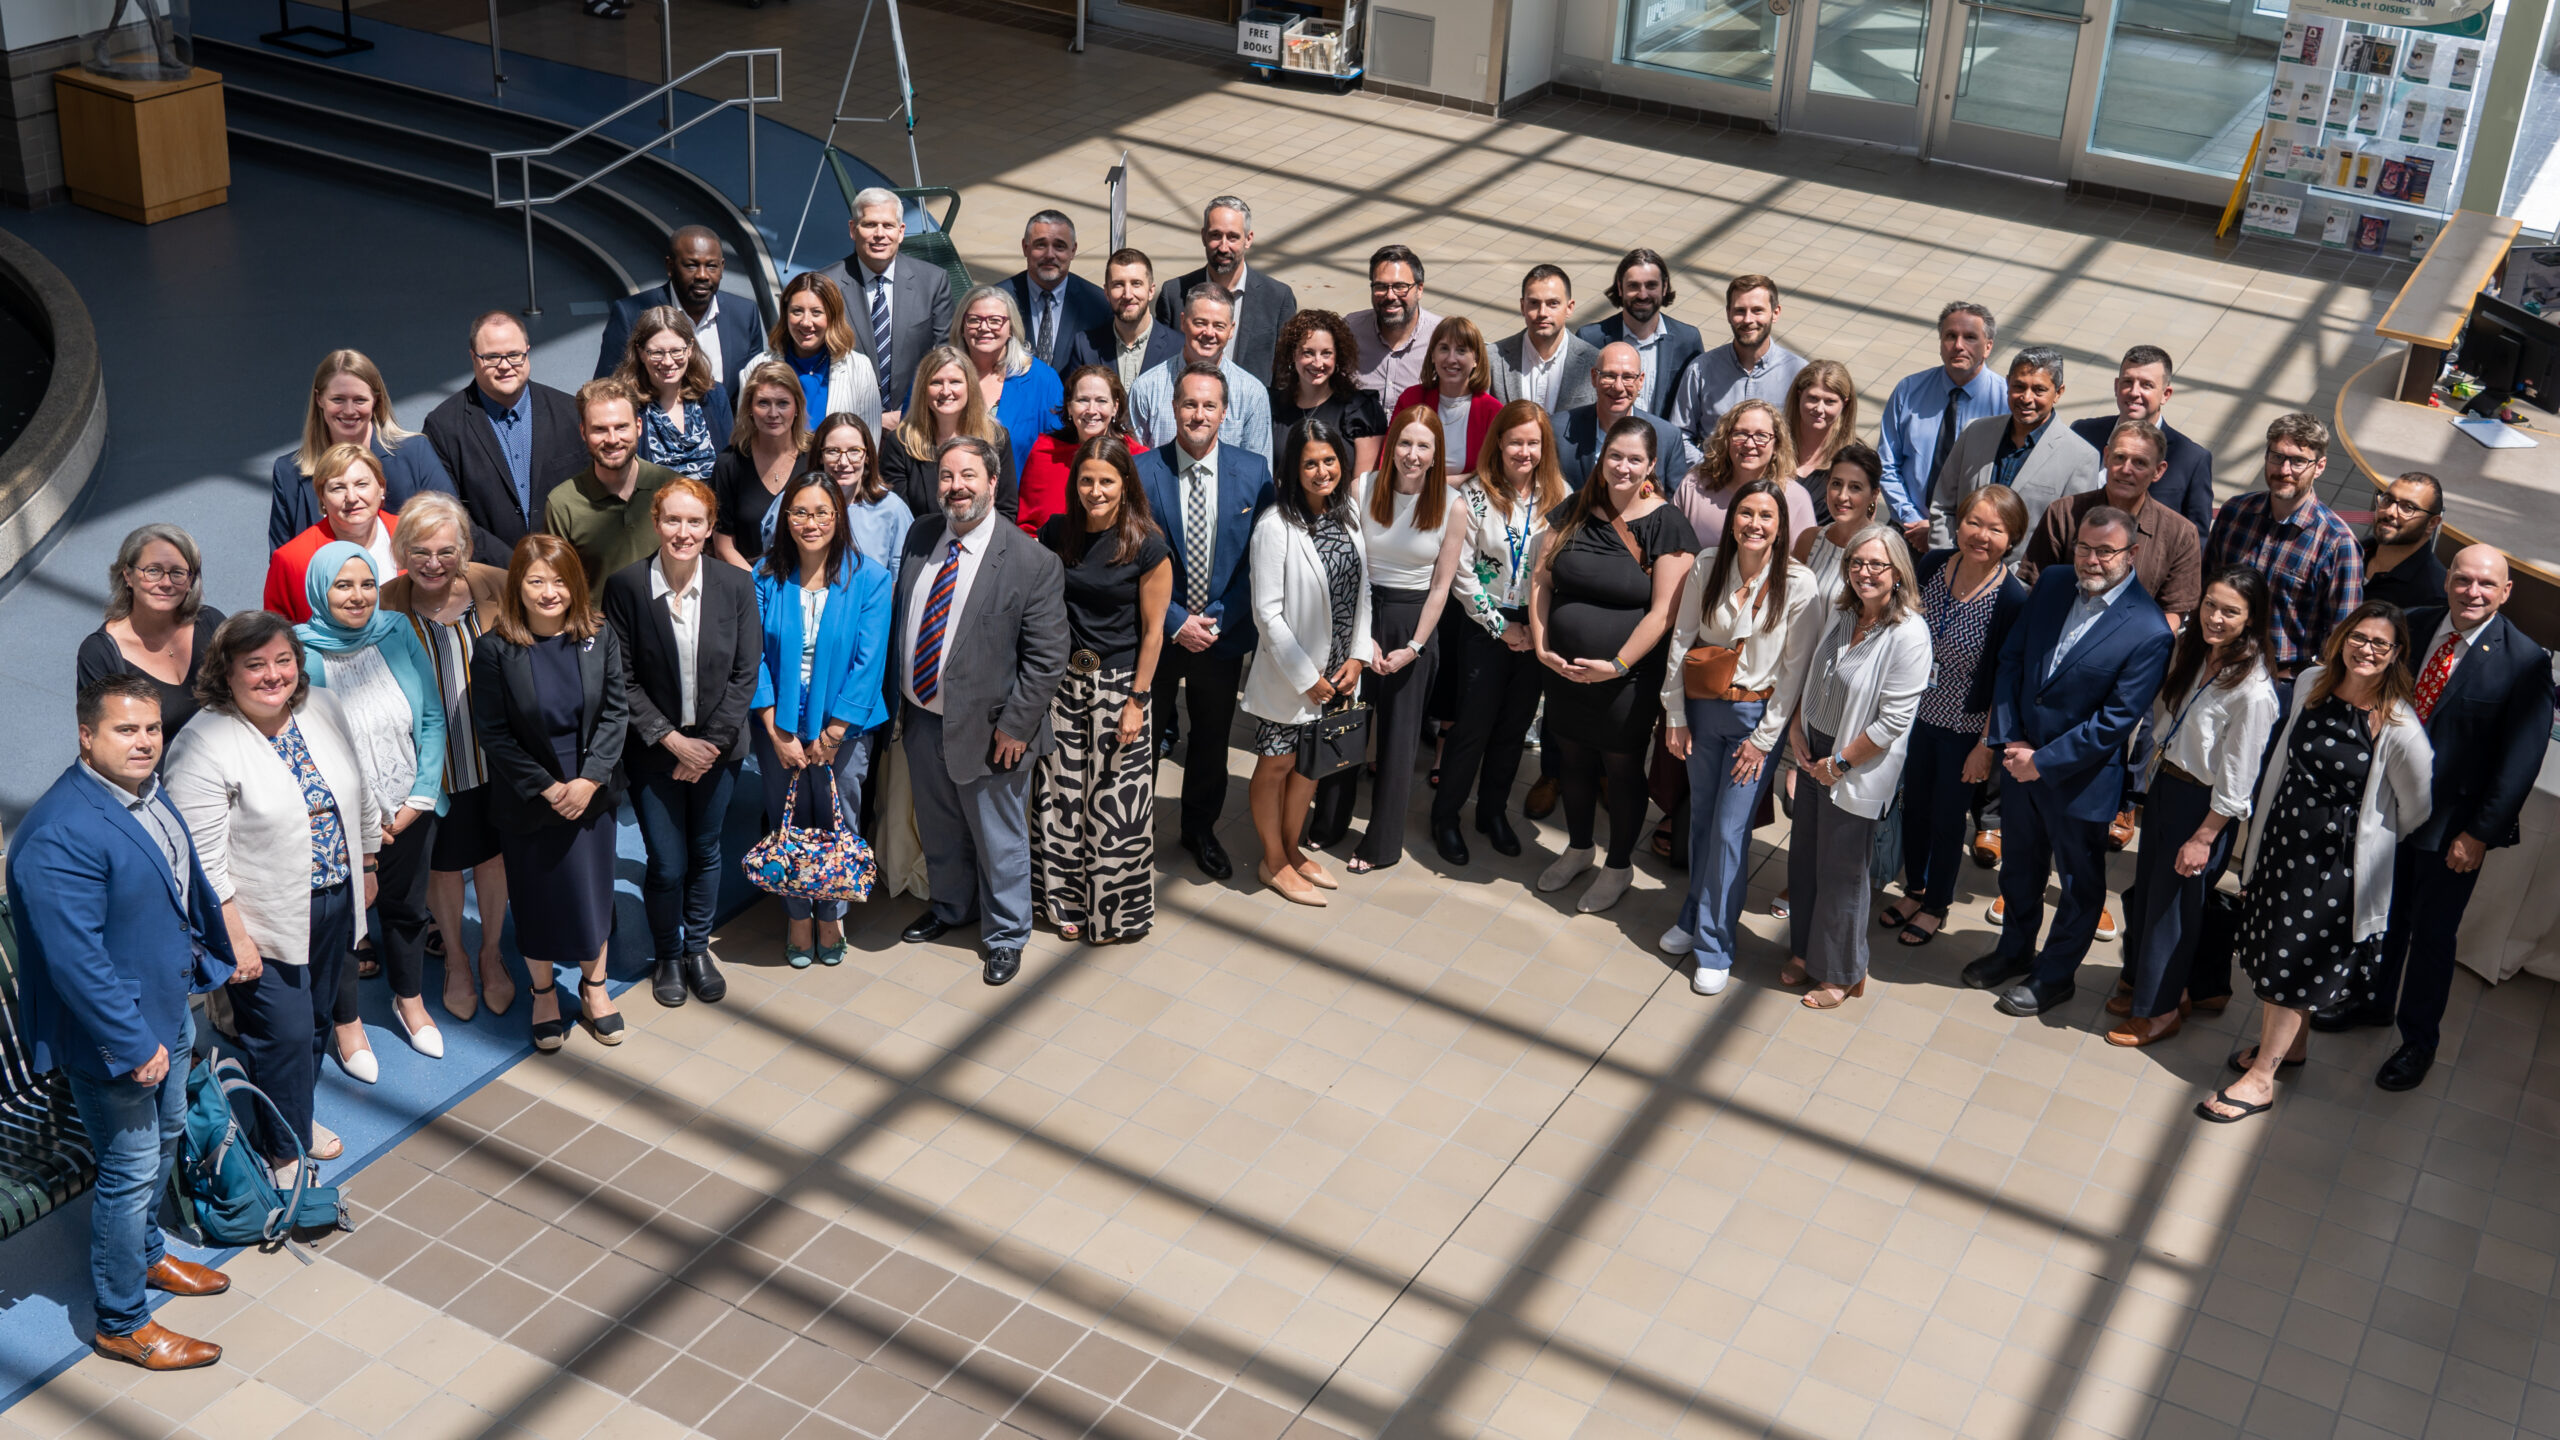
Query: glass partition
x=1730, y=40
x=2183, y=81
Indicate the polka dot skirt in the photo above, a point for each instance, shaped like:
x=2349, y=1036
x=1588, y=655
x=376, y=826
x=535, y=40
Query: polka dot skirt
x=2297, y=927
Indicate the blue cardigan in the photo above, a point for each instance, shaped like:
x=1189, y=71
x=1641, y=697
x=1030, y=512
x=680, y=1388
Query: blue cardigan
x=853, y=649
x=417, y=676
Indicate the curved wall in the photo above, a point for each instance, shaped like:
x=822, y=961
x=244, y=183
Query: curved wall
x=44, y=469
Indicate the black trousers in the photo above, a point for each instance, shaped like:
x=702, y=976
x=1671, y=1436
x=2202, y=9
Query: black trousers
x=1500, y=687
x=284, y=1016
x=1211, y=681
x=1398, y=703
x=2164, y=911
x=400, y=902
x=2427, y=901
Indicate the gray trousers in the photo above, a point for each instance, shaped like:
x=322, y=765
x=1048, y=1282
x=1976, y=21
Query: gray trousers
x=977, y=838
x=1828, y=888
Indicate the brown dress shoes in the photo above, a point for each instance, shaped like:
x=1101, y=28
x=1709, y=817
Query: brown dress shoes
x=185, y=1277
x=155, y=1347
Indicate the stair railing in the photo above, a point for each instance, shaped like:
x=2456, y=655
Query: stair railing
x=527, y=201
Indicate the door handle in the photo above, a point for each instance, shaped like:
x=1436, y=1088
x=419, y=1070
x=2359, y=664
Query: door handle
x=1781, y=7
x=2082, y=18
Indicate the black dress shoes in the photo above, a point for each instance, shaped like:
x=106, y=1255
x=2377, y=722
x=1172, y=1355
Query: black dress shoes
x=2406, y=1069
x=1451, y=845
x=1496, y=827
x=926, y=927
x=705, y=977
x=1003, y=965
x=1211, y=855
x=1995, y=971
x=666, y=982
x=1166, y=742
x=2343, y=1018
x=2026, y=1000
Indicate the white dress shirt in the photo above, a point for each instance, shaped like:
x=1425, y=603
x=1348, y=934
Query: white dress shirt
x=2218, y=736
x=973, y=549
x=2435, y=642
x=1774, y=650
x=1542, y=379
x=706, y=337
x=684, y=612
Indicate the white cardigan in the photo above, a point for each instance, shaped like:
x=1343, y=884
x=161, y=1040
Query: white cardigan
x=1292, y=611
x=851, y=385
x=253, y=831
x=2404, y=762
x=1884, y=679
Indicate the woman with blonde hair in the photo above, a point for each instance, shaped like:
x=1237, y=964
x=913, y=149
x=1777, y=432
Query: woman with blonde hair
x=815, y=341
x=766, y=453
x=347, y=486
x=685, y=417
x=157, y=624
x=349, y=406
x=1459, y=385
x=1017, y=387
x=945, y=401
x=1822, y=416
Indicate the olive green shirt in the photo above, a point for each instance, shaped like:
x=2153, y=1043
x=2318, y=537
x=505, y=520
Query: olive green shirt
x=607, y=532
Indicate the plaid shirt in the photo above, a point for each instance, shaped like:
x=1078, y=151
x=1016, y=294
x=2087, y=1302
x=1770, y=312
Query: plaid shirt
x=2314, y=568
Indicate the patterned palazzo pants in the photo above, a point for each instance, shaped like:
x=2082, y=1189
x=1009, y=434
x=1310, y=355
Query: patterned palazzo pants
x=1093, y=801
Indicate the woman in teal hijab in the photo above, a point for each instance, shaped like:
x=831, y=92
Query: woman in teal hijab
x=372, y=663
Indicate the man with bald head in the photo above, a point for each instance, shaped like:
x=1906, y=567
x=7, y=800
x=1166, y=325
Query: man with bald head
x=2484, y=694
x=726, y=328
x=1617, y=382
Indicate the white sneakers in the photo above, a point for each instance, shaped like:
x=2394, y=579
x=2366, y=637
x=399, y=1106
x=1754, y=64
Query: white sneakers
x=1703, y=981
x=1675, y=941
x=1560, y=874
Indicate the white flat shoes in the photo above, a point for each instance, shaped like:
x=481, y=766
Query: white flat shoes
x=427, y=1040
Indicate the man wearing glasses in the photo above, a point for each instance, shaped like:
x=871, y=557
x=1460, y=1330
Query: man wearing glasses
x=2400, y=563
x=2076, y=678
x=2168, y=555
x=2314, y=569
x=1394, y=333
x=504, y=439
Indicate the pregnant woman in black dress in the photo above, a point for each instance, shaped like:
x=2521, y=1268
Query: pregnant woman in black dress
x=2350, y=776
x=1600, y=607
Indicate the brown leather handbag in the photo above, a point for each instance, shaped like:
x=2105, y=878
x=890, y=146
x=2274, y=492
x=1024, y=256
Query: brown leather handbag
x=1707, y=671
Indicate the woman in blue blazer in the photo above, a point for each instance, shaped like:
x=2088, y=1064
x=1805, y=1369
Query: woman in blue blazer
x=818, y=700
x=349, y=407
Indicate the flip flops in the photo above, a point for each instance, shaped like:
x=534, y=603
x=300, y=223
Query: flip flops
x=2205, y=1110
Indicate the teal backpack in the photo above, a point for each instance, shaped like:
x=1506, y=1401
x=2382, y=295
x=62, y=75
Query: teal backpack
x=225, y=1194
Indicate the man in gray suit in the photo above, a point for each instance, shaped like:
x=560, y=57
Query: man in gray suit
x=1545, y=362
x=898, y=308
x=1263, y=303
x=979, y=631
x=2023, y=450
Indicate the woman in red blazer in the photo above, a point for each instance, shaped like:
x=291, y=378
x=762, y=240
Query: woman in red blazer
x=1462, y=372
x=348, y=483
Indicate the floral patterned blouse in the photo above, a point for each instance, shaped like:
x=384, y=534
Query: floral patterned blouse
x=328, y=838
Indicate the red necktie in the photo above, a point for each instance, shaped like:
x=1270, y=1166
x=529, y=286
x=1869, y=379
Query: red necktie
x=2431, y=680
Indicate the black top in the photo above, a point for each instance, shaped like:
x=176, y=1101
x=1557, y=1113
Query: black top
x=100, y=657
x=2414, y=582
x=1600, y=594
x=1357, y=418
x=741, y=501
x=919, y=484
x=1102, y=594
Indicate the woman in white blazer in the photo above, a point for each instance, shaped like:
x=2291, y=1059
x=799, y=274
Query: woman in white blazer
x=2353, y=759
x=1851, y=728
x=267, y=779
x=815, y=340
x=1310, y=571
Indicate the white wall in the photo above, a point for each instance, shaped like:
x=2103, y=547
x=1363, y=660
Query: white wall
x=1532, y=46
x=1461, y=43
x=41, y=22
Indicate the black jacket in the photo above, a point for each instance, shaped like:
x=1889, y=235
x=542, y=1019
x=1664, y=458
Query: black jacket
x=2490, y=729
x=725, y=653
x=507, y=713
x=459, y=431
x=2004, y=613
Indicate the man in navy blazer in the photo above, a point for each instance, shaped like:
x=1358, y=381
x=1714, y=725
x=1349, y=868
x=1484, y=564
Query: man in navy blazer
x=119, y=926
x=1057, y=304
x=2185, y=483
x=1617, y=377
x=1205, y=493
x=726, y=328
x=2077, y=673
x=2484, y=694
x=1129, y=290
x=1642, y=292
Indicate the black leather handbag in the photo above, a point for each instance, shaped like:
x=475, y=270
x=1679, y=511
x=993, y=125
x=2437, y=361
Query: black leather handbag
x=1334, y=742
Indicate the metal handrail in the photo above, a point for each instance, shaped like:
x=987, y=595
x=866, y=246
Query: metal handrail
x=526, y=200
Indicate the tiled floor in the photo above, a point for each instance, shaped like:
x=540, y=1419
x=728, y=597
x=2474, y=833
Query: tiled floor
x=1448, y=1158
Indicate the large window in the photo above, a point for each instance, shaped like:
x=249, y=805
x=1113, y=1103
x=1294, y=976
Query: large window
x=2184, y=80
x=1732, y=40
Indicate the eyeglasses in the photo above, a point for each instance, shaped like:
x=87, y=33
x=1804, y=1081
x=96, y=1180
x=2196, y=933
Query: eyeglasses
x=2370, y=645
x=173, y=574
x=502, y=359
x=799, y=513
x=1401, y=289
x=419, y=555
x=2278, y=460
x=985, y=322
x=2394, y=502
x=668, y=357
x=1867, y=567
x=2103, y=554
x=845, y=454
x=1754, y=439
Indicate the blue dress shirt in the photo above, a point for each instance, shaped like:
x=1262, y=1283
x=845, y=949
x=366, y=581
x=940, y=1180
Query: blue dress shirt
x=1907, y=437
x=513, y=425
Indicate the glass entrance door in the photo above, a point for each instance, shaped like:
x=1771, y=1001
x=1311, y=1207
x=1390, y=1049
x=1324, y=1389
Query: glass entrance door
x=2007, y=85
x=1976, y=82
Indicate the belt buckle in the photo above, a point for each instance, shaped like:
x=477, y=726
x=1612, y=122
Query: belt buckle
x=1084, y=662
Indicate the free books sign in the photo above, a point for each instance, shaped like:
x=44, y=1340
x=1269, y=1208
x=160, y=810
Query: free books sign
x=2466, y=18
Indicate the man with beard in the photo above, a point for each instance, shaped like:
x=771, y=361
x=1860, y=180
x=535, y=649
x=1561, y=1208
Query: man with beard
x=726, y=329
x=2076, y=678
x=2314, y=568
x=1262, y=303
x=1394, y=333
x=1754, y=367
x=603, y=510
x=1545, y=363
x=2400, y=563
x=979, y=644
x=1130, y=342
x=1057, y=304
x=1928, y=410
x=1665, y=347
x=1617, y=379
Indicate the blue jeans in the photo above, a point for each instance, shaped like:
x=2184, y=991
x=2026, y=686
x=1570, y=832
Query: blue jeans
x=680, y=824
x=853, y=767
x=134, y=1130
x=1720, y=814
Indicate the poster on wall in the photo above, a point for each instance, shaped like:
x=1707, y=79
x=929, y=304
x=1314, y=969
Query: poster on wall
x=2468, y=19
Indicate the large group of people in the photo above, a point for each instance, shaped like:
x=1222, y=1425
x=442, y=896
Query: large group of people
x=959, y=568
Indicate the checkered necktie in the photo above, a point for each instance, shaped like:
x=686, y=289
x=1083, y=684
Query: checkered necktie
x=1195, y=535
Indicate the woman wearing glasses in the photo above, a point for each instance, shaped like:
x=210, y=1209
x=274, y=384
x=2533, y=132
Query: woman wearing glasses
x=1020, y=389
x=157, y=623
x=2350, y=775
x=1749, y=443
x=686, y=416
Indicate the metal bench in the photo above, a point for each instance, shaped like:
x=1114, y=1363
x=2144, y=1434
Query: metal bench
x=44, y=1154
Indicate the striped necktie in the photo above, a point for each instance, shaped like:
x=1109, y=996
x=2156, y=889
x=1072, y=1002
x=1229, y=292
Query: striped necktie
x=926, y=676
x=880, y=324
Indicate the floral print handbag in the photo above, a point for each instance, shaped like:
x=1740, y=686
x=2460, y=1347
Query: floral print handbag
x=808, y=863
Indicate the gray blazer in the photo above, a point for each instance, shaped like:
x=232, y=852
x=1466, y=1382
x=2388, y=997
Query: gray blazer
x=2061, y=464
x=919, y=319
x=1571, y=391
x=1001, y=667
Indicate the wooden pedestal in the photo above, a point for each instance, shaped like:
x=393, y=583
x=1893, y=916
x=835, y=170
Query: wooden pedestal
x=143, y=150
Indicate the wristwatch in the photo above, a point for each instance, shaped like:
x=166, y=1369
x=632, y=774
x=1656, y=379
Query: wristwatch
x=1839, y=763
